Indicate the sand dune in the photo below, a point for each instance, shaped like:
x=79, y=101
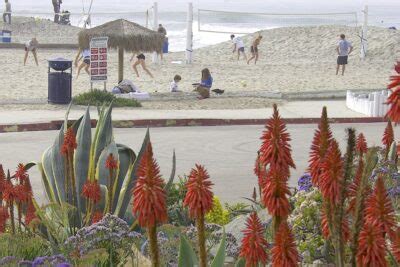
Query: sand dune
x=296, y=59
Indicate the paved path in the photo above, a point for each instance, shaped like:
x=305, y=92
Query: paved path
x=295, y=109
x=227, y=152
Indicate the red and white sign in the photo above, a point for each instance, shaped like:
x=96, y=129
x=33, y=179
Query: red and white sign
x=98, y=59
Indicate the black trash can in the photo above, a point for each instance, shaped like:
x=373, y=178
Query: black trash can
x=60, y=81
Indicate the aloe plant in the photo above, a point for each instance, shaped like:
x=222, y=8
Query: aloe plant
x=88, y=164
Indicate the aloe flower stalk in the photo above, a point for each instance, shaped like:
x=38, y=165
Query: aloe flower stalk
x=3, y=218
x=284, y=253
x=149, y=200
x=394, y=99
x=319, y=147
x=361, y=145
x=199, y=200
x=254, y=244
x=371, y=247
x=112, y=166
x=396, y=245
x=67, y=150
x=388, y=137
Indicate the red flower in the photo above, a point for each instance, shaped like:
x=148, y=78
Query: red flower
x=69, y=144
x=332, y=174
x=91, y=191
x=388, y=136
x=284, y=253
x=325, y=227
x=3, y=218
x=394, y=105
x=111, y=163
x=319, y=147
x=275, y=194
x=260, y=172
x=275, y=149
x=254, y=244
x=21, y=173
x=396, y=245
x=9, y=193
x=2, y=182
x=394, y=81
x=97, y=216
x=149, y=197
x=355, y=186
x=199, y=198
x=30, y=213
x=397, y=67
x=371, y=247
x=21, y=194
x=361, y=144
x=379, y=210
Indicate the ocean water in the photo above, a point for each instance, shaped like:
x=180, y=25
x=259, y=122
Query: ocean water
x=172, y=14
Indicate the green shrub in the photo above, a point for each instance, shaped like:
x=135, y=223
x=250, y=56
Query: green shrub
x=218, y=214
x=99, y=97
x=23, y=246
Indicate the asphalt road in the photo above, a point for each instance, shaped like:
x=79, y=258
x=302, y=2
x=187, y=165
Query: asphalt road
x=227, y=152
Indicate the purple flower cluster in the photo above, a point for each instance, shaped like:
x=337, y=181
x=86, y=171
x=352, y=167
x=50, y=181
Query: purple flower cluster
x=55, y=260
x=110, y=231
x=304, y=182
x=394, y=191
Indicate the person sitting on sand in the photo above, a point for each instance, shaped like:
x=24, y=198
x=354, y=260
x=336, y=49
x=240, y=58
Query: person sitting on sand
x=254, y=50
x=125, y=87
x=239, y=46
x=31, y=46
x=174, y=84
x=7, y=13
x=85, y=55
x=140, y=60
x=343, y=49
x=203, y=88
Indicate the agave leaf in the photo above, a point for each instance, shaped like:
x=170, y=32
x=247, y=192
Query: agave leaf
x=82, y=158
x=172, y=176
x=219, y=259
x=48, y=177
x=104, y=198
x=126, y=159
x=130, y=180
x=241, y=262
x=105, y=134
x=102, y=173
x=66, y=117
x=57, y=165
x=187, y=257
x=46, y=185
x=393, y=151
x=29, y=165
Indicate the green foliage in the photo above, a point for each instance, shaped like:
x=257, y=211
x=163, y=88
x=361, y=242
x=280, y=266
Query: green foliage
x=218, y=214
x=219, y=258
x=177, y=214
x=23, y=246
x=99, y=97
x=237, y=209
x=187, y=257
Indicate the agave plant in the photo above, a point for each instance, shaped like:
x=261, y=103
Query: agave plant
x=64, y=175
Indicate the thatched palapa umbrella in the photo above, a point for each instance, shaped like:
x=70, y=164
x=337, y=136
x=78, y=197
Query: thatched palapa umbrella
x=125, y=36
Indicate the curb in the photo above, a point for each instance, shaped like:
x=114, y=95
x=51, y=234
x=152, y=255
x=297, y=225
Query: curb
x=55, y=125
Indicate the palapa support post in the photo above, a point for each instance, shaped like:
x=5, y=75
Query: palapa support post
x=189, y=34
x=120, y=64
x=155, y=27
x=364, y=31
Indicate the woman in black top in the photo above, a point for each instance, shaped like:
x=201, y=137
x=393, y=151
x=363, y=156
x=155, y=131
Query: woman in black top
x=140, y=60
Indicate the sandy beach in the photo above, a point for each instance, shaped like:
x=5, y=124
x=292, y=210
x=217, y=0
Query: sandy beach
x=292, y=60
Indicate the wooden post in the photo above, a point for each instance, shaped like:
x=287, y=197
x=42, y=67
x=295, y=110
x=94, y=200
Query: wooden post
x=155, y=27
x=120, y=64
x=364, y=44
x=189, y=34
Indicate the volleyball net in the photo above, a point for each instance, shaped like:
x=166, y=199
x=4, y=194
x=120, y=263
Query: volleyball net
x=244, y=23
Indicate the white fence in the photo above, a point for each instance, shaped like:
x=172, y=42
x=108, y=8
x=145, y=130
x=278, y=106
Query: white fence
x=372, y=105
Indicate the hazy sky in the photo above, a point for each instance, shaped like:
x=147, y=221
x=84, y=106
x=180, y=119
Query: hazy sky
x=180, y=5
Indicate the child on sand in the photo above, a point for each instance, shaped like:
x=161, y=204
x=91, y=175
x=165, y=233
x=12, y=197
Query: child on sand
x=85, y=55
x=239, y=46
x=174, y=84
x=31, y=46
x=254, y=50
x=203, y=88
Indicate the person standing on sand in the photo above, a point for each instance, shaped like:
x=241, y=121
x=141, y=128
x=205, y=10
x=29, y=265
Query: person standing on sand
x=31, y=46
x=7, y=12
x=343, y=49
x=140, y=60
x=85, y=55
x=254, y=50
x=162, y=31
x=57, y=7
x=239, y=46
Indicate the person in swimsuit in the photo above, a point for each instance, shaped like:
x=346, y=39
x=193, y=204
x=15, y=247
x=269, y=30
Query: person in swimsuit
x=31, y=46
x=85, y=55
x=254, y=50
x=140, y=60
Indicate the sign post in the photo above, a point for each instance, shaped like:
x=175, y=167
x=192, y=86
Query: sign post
x=98, y=60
